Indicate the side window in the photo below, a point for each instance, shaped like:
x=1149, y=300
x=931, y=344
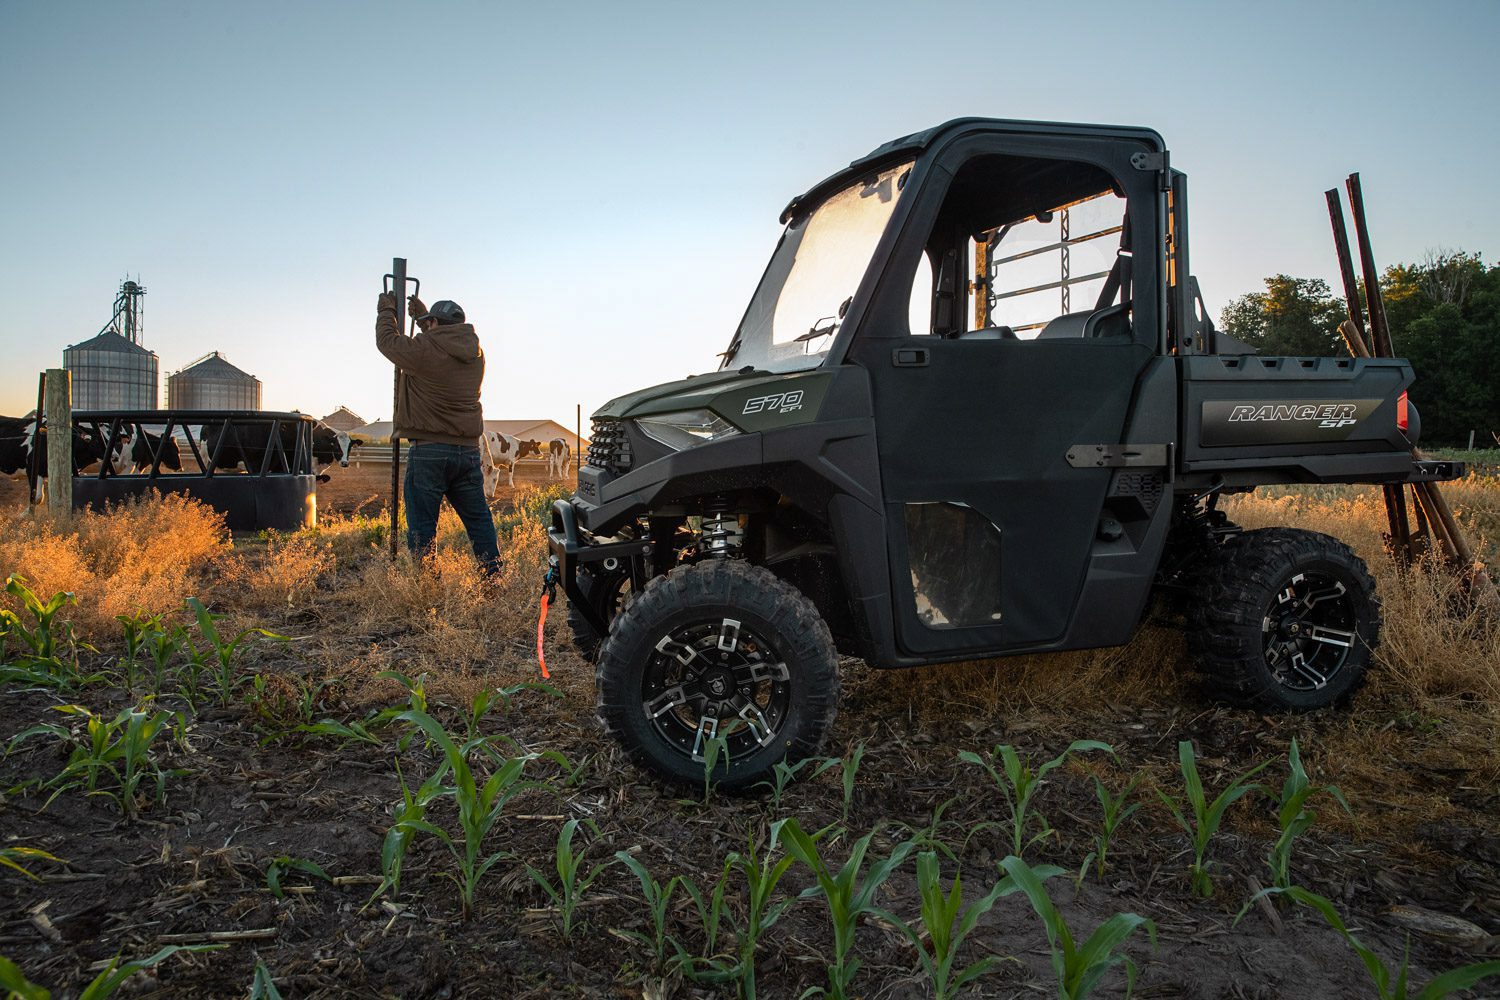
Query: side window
x=1054, y=263
x=1024, y=249
x=920, y=310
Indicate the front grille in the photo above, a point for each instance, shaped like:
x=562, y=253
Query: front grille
x=609, y=447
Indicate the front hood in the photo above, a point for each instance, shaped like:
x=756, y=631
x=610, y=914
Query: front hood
x=635, y=404
x=752, y=401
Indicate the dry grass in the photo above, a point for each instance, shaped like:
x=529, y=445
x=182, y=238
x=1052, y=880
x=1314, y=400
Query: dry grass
x=143, y=556
x=1436, y=648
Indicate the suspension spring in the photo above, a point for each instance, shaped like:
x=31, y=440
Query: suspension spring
x=719, y=535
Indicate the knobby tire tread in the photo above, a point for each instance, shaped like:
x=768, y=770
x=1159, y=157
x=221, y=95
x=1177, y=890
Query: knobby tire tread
x=734, y=583
x=1235, y=590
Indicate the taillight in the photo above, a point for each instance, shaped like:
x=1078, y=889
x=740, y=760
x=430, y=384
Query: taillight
x=1403, y=417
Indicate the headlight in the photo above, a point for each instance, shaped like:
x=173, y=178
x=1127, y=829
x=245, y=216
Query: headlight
x=683, y=430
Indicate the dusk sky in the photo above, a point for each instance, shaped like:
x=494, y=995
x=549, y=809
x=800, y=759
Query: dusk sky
x=598, y=184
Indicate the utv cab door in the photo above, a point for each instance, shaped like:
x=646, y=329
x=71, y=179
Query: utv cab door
x=1013, y=330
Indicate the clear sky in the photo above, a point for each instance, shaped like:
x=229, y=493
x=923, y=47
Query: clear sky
x=598, y=184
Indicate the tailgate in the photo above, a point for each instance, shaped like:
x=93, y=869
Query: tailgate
x=1295, y=419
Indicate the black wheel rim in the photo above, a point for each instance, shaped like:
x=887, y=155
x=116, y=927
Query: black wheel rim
x=1309, y=632
x=715, y=679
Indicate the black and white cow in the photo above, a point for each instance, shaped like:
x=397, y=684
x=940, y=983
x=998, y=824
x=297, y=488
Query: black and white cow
x=19, y=434
x=147, y=445
x=558, y=457
x=496, y=449
x=245, y=446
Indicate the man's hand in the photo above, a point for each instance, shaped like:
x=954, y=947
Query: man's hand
x=415, y=306
x=386, y=302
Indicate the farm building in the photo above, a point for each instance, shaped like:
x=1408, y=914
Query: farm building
x=344, y=419
x=110, y=372
x=534, y=430
x=212, y=383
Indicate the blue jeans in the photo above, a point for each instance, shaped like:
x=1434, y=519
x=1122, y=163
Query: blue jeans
x=434, y=471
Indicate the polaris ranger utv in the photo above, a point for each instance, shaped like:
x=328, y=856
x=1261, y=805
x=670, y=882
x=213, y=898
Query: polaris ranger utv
x=975, y=408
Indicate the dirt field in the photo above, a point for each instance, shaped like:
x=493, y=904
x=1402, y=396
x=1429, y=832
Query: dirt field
x=1417, y=754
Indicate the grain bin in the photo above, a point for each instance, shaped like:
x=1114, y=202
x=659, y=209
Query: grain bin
x=212, y=383
x=111, y=373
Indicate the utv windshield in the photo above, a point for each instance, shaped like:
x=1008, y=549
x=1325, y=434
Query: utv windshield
x=813, y=274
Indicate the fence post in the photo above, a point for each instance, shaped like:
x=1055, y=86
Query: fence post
x=60, y=443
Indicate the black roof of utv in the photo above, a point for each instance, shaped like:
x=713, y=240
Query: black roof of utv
x=910, y=145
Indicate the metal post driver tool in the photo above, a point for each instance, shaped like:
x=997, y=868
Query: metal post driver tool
x=396, y=281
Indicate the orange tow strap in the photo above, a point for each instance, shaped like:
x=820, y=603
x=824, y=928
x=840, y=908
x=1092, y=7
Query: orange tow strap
x=541, y=623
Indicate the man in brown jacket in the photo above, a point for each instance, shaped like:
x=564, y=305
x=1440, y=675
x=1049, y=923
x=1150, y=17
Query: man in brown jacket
x=438, y=411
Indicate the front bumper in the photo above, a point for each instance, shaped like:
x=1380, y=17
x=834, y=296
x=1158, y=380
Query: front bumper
x=571, y=547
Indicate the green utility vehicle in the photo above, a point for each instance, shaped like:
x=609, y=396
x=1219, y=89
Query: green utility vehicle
x=975, y=407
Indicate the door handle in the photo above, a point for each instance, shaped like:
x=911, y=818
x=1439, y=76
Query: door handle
x=910, y=357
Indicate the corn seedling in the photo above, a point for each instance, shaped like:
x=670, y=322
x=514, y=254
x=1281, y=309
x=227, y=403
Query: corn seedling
x=41, y=638
x=352, y=732
x=1294, y=817
x=136, y=629
x=224, y=650
x=42, y=663
x=762, y=873
x=1078, y=969
x=488, y=698
x=285, y=864
x=712, y=965
x=658, y=899
x=163, y=644
x=1198, y=817
x=1389, y=984
x=261, y=986
x=11, y=857
x=926, y=838
x=119, y=747
x=190, y=673
x=1116, y=812
x=1019, y=781
x=947, y=922
x=416, y=689
x=849, y=771
x=849, y=892
x=783, y=773
x=285, y=703
x=713, y=749
x=15, y=984
x=479, y=806
x=572, y=881
x=408, y=814
x=114, y=975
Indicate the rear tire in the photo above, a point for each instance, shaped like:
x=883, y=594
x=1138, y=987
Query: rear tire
x=1286, y=619
x=718, y=649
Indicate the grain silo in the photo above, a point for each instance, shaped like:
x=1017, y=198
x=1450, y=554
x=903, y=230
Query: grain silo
x=212, y=383
x=113, y=371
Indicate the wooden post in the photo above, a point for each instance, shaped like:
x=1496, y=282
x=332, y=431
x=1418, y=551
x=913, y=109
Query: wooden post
x=578, y=443
x=59, y=443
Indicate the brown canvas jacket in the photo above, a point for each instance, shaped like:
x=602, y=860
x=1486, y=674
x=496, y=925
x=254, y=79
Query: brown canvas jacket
x=443, y=368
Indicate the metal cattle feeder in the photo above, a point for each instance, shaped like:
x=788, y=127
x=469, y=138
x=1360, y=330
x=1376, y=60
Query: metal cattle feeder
x=271, y=481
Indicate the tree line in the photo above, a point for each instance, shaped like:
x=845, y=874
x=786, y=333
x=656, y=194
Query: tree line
x=1444, y=315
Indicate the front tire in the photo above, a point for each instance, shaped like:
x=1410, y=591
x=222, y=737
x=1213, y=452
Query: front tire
x=718, y=650
x=1287, y=619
